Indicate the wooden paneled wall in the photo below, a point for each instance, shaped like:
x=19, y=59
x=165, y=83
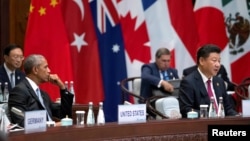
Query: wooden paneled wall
x=13, y=21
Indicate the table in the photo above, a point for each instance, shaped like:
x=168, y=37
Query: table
x=83, y=107
x=153, y=130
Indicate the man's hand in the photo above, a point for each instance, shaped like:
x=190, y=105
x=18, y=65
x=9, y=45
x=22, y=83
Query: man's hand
x=167, y=86
x=54, y=79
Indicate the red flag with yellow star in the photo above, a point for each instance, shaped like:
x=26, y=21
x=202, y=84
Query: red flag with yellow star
x=46, y=35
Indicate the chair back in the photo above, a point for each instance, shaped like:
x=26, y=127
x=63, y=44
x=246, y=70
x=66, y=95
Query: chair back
x=169, y=107
x=242, y=90
x=166, y=107
x=241, y=93
x=131, y=87
x=136, y=86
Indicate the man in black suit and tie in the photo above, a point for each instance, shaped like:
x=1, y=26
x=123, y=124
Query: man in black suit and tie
x=155, y=75
x=193, y=87
x=221, y=73
x=10, y=70
x=26, y=95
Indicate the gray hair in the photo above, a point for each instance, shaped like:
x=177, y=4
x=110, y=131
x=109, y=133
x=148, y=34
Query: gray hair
x=32, y=61
x=162, y=51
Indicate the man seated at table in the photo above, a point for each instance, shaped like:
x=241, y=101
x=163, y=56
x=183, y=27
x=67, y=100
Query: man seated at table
x=155, y=75
x=194, y=87
x=26, y=96
x=10, y=71
x=221, y=73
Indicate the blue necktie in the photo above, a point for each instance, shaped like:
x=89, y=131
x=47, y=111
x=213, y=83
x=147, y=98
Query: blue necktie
x=165, y=75
x=41, y=100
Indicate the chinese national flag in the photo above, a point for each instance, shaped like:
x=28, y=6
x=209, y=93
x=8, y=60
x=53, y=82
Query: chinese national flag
x=46, y=35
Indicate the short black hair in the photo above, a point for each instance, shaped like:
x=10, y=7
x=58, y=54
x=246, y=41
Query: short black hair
x=205, y=51
x=10, y=47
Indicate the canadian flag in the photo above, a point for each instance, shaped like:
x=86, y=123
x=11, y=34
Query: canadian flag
x=135, y=35
x=149, y=25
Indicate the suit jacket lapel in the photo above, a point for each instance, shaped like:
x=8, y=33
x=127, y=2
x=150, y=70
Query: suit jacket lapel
x=46, y=103
x=155, y=70
x=200, y=83
x=17, y=77
x=32, y=92
x=217, y=88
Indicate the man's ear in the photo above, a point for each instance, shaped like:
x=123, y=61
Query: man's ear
x=5, y=57
x=201, y=60
x=35, y=69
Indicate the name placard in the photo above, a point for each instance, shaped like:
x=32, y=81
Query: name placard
x=135, y=113
x=35, y=121
x=245, y=107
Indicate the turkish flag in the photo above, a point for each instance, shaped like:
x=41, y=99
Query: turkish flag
x=46, y=35
x=81, y=33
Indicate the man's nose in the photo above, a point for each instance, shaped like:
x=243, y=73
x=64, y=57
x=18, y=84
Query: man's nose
x=218, y=64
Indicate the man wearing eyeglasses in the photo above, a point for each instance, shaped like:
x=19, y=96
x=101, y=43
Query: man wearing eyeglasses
x=10, y=71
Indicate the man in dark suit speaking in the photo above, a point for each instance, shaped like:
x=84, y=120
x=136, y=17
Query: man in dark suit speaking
x=195, y=87
x=221, y=73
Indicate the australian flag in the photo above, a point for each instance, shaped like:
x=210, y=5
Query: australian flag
x=117, y=37
x=112, y=56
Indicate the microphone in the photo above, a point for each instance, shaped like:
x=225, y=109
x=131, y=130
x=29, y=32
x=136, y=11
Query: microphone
x=17, y=111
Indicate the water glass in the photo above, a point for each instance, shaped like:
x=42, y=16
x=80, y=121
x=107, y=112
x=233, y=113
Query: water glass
x=80, y=117
x=203, y=111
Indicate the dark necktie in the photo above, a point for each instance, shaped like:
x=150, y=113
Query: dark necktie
x=165, y=75
x=41, y=101
x=210, y=92
x=12, y=80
